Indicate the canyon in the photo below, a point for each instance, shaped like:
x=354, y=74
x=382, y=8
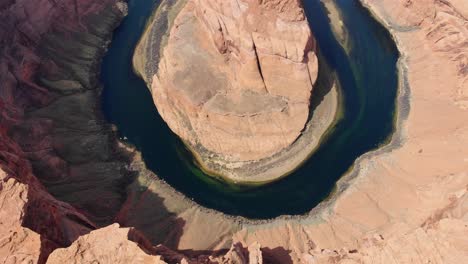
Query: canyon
x=65, y=178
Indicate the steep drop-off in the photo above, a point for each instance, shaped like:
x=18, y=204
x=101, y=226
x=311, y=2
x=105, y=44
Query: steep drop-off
x=50, y=128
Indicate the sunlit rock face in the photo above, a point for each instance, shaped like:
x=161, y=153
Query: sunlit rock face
x=232, y=78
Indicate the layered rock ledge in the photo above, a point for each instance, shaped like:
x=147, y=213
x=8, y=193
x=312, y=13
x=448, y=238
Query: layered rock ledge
x=233, y=79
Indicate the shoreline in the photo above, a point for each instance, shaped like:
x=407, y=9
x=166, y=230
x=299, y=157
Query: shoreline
x=355, y=170
x=401, y=109
x=337, y=25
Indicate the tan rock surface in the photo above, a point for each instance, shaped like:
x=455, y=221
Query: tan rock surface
x=106, y=245
x=235, y=77
x=17, y=244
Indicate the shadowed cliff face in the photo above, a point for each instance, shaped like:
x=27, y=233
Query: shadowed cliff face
x=50, y=130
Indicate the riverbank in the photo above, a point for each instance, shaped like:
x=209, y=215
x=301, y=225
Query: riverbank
x=337, y=23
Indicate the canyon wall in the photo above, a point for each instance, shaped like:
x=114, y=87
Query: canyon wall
x=49, y=125
x=407, y=203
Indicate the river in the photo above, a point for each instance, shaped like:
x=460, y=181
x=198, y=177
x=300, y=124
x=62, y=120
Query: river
x=367, y=71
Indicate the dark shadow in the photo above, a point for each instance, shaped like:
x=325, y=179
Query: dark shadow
x=146, y=211
x=47, y=247
x=196, y=253
x=326, y=79
x=277, y=255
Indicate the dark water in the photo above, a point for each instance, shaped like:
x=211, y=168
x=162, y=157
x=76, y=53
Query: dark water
x=369, y=80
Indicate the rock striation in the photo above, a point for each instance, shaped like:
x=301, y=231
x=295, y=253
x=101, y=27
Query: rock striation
x=233, y=79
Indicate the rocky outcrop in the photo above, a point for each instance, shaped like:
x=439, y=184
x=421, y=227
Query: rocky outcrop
x=440, y=239
x=233, y=79
x=125, y=245
x=444, y=23
x=107, y=245
x=18, y=244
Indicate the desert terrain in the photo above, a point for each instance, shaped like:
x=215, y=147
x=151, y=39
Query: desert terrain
x=71, y=192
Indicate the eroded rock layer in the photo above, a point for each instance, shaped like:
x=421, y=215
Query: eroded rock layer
x=232, y=78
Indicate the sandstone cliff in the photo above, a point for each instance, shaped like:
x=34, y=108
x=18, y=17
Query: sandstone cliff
x=124, y=245
x=233, y=79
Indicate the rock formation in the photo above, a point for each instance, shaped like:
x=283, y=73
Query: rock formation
x=233, y=79
x=53, y=140
x=406, y=205
x=125, y=245
x=18, y=244
x=50, y=134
